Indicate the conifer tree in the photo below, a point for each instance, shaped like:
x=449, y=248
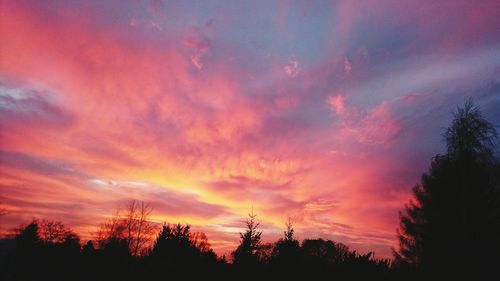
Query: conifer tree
x=452, y=224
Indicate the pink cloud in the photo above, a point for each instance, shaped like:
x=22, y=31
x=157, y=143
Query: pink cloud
x=292, y=68
x=375, y=126
x=336, y=103
x=379, y=126
x=347, y=66
x=200, y=45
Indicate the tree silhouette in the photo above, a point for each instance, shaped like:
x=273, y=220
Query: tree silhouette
x=451, y=228
x=286, y=253
x=46, y=250
x=289, y=231
x=28, y=250
x=139, y=228
x=322, y=255
x=173, y=243
x=121, y=238
x=180, y=251
x=245, y=257
x=55, y=232
x=470, y=134
x=130, y=227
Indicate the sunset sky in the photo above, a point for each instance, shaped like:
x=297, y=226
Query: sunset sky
x=327, y=112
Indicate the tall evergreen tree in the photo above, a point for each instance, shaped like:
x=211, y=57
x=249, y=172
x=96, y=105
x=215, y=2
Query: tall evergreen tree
x=246, y=255
x=451, y=228
x=286, y=254
x=287, y=248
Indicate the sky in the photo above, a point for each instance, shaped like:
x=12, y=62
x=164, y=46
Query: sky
x=327, y=112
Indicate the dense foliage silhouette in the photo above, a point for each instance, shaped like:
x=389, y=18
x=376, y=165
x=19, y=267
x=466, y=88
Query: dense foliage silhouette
x=47, y=250
x=246, y=255
x=450, y=230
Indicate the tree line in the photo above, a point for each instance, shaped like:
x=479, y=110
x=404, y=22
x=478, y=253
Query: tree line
x=449, y=230
x=128, y=246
